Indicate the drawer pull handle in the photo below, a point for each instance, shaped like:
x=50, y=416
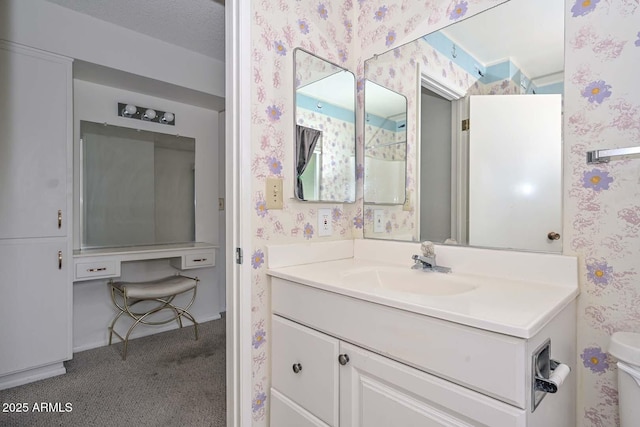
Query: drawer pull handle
x=93, y=270
x=59, y=260
x=200, y=260
x=297, y=368
x=343, y=359
x=59, y=218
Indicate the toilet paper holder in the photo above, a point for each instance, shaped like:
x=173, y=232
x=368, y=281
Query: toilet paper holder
x=547, y=374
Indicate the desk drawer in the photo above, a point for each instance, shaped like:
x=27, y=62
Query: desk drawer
x=199, y=259
x=89, y=270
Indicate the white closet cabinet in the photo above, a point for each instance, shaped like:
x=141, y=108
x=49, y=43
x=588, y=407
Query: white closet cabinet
x=35, y=205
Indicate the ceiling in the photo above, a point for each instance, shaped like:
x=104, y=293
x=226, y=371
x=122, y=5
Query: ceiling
x=529, y=32
x=196, y=25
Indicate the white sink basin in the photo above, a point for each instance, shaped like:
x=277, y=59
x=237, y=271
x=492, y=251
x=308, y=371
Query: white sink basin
x=406, y=280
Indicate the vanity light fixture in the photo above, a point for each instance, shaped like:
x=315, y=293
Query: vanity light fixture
x=131, y=111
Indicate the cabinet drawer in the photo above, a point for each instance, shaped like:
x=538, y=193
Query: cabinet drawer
x=200, y=259
x=285, y=413
x=315, y=386
x=195, y=260
x=88, y=270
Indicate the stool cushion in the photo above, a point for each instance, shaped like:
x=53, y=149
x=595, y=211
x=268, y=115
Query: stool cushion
x=164, y=287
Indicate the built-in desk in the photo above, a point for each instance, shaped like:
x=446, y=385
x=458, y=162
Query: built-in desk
x=101, y=263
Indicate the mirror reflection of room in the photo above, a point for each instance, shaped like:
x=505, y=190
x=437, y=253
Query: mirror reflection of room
x=385, y=145
x=464, y=186
x=325, y=130
x=137, y=186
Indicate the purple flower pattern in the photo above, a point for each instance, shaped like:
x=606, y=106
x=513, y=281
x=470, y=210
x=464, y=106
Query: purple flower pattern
x=322, y=11
x=258, y=338
x=599, y=273
x=459, y=10
x=597, y=91
x=380, y=13
x=274, y=113
x=358, y=221
x=584, y=7
x=595, y=359
x=303, y=26
x=261, y=208
x=258, y=401
x=391, y=38
x=308, y=231
x=257, y=259
x=596, y=179
x=280, y=49
x=275, y=166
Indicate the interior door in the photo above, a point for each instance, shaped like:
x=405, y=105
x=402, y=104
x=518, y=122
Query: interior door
x=515, y=171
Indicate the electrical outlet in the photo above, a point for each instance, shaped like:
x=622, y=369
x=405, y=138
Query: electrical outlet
x=378, y=221
x=324, y=222
x=274, y=193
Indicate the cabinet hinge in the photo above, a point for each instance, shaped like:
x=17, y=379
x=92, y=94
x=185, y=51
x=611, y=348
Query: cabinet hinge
x=466, y=124
x=238, y=255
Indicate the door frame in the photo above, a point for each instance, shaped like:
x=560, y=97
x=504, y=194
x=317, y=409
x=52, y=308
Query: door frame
x=459, y=151
x=238, y=219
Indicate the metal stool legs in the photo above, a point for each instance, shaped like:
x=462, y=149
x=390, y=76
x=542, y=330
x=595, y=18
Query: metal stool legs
x=120, y=295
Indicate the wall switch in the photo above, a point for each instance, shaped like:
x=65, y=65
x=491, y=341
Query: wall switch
x=324, y=222
x=378, y=221
x=273, y=194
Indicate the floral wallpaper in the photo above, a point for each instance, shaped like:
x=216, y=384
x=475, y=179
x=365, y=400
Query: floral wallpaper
x=601, y=203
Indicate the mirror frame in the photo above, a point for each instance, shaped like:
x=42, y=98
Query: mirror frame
x=353, y=198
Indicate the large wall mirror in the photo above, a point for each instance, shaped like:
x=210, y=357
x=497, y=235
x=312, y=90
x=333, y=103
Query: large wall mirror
x=325, y=132
x=138, y=187
x=494, y=180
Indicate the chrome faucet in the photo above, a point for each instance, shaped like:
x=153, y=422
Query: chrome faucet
x=427, y=261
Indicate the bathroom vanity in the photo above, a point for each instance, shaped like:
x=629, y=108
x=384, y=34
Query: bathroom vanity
x=360, y=339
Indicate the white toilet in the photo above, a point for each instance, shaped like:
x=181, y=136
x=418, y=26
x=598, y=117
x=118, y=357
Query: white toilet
x=625, y=346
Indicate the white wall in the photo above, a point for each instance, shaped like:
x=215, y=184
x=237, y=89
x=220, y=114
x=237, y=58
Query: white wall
x=47, y=26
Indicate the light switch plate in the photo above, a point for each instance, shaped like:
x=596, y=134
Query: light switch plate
x=378, y=221
x=273, y=193
x=324, y=222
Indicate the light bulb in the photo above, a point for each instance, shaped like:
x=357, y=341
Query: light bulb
x=149, y=114
x=167, y=117
x=129, y=110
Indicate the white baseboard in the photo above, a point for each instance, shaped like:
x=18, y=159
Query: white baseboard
x=31, y=375
x=142, y=331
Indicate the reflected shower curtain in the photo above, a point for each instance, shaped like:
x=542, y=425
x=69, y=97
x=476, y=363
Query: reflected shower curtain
x=306, y=140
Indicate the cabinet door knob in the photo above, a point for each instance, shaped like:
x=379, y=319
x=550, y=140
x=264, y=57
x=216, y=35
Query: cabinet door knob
x=553, y=236
x=343, y=359
x=297, y=368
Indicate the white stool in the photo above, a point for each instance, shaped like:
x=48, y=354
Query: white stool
x=163, y=291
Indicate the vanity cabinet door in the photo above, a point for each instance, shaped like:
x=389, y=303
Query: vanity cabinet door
x=378, y=392
x=304, y=368
x=34, y=142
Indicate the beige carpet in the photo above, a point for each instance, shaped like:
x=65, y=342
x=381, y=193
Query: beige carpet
x=168, y=379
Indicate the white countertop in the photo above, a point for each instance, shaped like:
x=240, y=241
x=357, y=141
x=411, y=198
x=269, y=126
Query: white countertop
x=508, y=306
